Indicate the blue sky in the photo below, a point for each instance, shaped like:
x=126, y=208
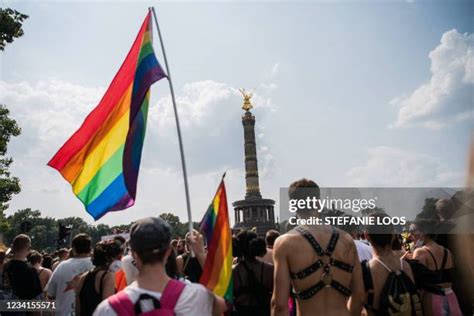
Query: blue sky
x=347, y=93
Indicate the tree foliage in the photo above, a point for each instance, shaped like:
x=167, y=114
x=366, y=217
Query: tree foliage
x=9, y=185
x=44, y=229
x=11, y=22
x=178, y=229
x=429, y=209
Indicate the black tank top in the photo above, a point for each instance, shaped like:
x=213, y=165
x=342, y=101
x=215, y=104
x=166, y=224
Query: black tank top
x=192, y=269
x=88, y=297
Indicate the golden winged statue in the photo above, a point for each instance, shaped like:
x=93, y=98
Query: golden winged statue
x=247, y=106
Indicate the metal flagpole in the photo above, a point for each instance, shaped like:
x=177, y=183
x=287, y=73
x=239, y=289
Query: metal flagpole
x=183, y=162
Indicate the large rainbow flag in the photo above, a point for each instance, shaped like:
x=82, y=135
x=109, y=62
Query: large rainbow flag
x=102, y=158
x=217, y=272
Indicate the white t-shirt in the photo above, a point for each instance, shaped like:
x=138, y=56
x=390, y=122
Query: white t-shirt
x=131, y=271
x=195, y=300
x=115, y=266
x=63, y=281
x=364, y=251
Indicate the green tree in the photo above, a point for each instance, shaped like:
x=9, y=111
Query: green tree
x=369, y=211
x=17, y=218
x=43, y=233
x=96, y=232
x=175, y=223
x=8, y=185
x=11, y=22
x=429, y=209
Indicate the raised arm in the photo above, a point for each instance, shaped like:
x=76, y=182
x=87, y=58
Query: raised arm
x=281, y=279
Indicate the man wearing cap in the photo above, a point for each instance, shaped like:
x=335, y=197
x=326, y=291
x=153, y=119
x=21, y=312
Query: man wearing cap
x=150, y=246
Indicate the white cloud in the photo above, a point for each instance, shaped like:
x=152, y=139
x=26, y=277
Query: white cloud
x=275, y=69
x=447, y=97
x=50, y=111
x=47, y=111
x=395, y=167
x=210, y=116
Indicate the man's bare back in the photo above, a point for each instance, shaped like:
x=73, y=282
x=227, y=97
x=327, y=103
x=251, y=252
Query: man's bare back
x=293, y=253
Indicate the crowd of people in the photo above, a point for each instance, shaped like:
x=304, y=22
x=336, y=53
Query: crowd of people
x=310, y=270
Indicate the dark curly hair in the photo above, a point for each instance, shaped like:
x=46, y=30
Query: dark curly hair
x=249, y=245
x=105, y=252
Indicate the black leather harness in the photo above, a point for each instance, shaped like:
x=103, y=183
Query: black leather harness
x=326, y=278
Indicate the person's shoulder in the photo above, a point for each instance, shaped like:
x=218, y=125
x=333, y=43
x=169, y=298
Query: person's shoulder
x=193, y=295
x=420, y=252
x=104, y=309
x=362, y=245
x=63, y=264
x=288, y=238
x=196, y=290
x=267, y=265
x=344, y=236
x=195, y=287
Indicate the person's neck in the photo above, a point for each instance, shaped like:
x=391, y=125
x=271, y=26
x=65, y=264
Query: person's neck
x=427, y=242
x=19, y=257
x=81, y=255
x=37, y=266
x=382, y=252
x=98, y=268
x=152, y=277
x=307, y=215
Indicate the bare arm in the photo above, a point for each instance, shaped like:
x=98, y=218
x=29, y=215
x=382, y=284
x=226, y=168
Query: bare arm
x=357, y=286
x=420, y=255
x=219, y=306
x=281, y=279
x=196, y=243
x=180, y=264
x=108, y=286
x=78, y=289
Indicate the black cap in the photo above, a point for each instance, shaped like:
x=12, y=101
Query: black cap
x=150, y=234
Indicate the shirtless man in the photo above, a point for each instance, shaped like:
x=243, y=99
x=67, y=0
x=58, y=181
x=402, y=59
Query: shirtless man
x=321, y=288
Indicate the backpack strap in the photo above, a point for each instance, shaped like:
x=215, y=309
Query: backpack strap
x=383, y=264
x=432, y=256
x=121, y=303
x=368, y=284
x=171, y=294
x=445, y=259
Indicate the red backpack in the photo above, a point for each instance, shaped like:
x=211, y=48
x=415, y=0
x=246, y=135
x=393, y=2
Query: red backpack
x=122, y=304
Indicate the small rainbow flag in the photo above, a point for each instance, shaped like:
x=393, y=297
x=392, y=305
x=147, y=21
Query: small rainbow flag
x=217, y=272
x=102, y=158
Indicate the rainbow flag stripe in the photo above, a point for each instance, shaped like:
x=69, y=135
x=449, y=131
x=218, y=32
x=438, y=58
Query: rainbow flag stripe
x=102, y=158
x=217, y=272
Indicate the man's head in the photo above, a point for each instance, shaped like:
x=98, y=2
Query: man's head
x=21, y=245
x=81, y=244
x=34, y=257
x=445, y=208
x=302, y=190
x=380, y=236
x=122, y=244
x=105, y=252
x=174, y=243
x=351, y=229
x=426, y=228
x=270, y=237
x=63, y=253
x=150, y=241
